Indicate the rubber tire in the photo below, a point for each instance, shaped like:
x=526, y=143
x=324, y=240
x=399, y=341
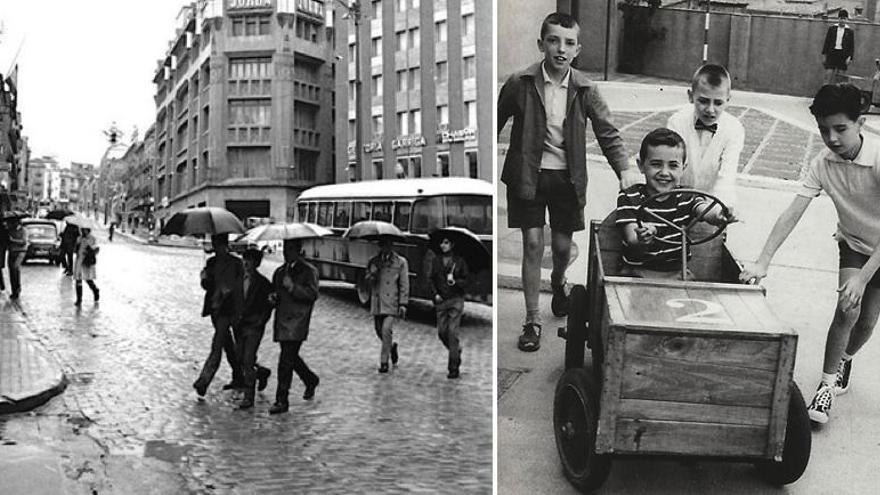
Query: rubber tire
x=798, y=441
x=577, y=400
x=576, y=327
x=362, y=289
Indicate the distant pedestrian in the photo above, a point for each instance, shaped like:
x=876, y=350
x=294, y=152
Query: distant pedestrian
x=449, y=274
x=222, y=279
x=388, y=275
x=111, y=230
x=85, y=264
x=4, y=244
x=249, y=329
x=17, y=247
x=295, y=285
x=838, y=48
x=68, y=246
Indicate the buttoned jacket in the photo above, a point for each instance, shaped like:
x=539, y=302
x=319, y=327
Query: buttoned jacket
x=293, y=307
x=389, y=280
x=223, y=286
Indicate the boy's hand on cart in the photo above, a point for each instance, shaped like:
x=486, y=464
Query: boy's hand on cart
x=646, y=233
x=753, y=273
x=850, y=293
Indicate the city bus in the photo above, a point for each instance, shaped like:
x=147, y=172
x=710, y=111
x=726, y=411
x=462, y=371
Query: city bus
x=416, y=206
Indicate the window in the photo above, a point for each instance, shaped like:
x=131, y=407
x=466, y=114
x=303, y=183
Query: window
x=442, y=75
x=440, y=32
x=377, y=85
x=443, y=114
x=439, y=5
x=402, y=76
x=352, y=130
x=402, y=213
x=360, y=211
x=443, y=164
x=416, y=166
x=427, y=215
x=340, y=221
x=470, y=67
x=312, y=213
x=376, y=47
x=414, y=38
x=415, y=121
x=382, y=211
x=473, y=168
x=378, y=173
x=352, y=53
x=250, y=112
x=378, y=127
x=377, y=9
x=467, y=25
x=400, y=41
x=250, y=68
x=302, y=212
x=402, y=127
x=471, y=212
x=470, y=113
x=401, y=5
x=252, y=25
x=325, y=214
x=415, y=78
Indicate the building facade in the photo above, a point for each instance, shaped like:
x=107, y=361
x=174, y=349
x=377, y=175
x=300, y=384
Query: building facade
x=243, y=108
x=426, y=77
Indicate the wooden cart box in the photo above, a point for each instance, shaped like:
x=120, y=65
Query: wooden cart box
x=694, y=369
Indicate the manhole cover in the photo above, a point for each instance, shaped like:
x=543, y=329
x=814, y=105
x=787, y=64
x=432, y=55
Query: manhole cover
x=506, y=379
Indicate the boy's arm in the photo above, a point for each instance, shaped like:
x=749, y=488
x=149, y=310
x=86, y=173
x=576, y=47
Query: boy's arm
x=725, y=183
x=609, y=139
x=781, y=230
x=506, y=103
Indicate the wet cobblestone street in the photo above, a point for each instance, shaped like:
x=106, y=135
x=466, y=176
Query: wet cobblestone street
x=132, y=359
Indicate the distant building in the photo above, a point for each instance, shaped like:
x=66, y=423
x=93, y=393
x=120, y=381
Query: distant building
x=428, y=97
x=799, y=8
x=244, y=108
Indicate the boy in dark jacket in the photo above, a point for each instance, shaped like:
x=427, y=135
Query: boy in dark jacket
x=449, y=274
x=249, y=330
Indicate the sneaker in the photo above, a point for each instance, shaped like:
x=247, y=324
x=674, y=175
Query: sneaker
x=841, y=385
x=394, y=355
x=821, y=404
x=530, y=340
x=559, y=303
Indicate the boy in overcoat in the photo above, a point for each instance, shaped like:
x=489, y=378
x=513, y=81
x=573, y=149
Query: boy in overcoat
x=296, y=289
x=249, y=330
x=388, y=276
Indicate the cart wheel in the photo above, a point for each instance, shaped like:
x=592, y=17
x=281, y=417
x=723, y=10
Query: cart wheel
x=798, y=439
x=865, y=103
x=576, y=328
x=575, y=420
x=363, y=289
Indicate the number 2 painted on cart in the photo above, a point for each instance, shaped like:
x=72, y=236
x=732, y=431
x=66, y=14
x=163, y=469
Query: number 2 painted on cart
x=712, y=312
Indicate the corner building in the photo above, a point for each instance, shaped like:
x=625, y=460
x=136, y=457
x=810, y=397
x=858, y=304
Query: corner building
x=244, y=108
x=428, y=98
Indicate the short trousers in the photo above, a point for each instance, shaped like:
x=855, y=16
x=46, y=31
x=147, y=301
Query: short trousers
x=855, y=259
x=555, y=193
x=835, y=59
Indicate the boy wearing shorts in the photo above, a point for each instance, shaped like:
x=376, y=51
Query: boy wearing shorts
x=662, y=160
x=714, y=138
x=545, y=168
x=849, y=172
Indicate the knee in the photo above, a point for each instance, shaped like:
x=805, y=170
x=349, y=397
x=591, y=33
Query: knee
x=533, y=248
x=844, y=317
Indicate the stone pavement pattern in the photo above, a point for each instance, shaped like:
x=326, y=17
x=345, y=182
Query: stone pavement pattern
x=131, y=361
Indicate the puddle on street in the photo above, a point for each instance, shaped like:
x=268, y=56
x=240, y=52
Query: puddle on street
x=164, y=451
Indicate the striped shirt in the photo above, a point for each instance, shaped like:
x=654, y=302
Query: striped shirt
x=678, y=208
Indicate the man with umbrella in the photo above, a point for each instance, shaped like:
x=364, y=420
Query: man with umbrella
x=388, y=275
x=249, y=329
x=296, y=289
x=448, y=277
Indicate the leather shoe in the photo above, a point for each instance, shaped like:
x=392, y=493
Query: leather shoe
x=200, y=389
x=383, y=368
x=246, y=404
x=263, y=378
x=278, y=408
x=310, y=389
x=453, y=374
x=233, y=385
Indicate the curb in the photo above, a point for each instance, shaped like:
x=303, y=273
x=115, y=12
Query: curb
x=139, y=240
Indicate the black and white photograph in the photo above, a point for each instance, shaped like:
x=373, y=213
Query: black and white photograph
x=246, y=247
x=688, y=238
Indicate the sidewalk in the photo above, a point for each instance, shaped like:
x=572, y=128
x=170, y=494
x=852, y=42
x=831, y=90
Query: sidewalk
x=29, y=376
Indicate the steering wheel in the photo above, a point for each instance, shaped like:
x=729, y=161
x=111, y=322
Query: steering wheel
x=655, y=198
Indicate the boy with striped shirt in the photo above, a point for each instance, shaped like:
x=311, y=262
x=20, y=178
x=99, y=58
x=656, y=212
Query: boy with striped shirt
x=662, y=161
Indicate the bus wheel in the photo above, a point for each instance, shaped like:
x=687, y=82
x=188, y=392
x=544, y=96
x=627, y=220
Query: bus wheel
x=363, y=289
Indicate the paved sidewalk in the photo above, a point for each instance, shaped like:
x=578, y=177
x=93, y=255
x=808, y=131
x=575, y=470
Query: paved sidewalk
x=29, y=376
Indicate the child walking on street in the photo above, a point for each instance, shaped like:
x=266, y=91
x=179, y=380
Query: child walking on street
x=849, y=172
x=449, y=273
x=84, y=266
x=388, y=275
x=545, y=169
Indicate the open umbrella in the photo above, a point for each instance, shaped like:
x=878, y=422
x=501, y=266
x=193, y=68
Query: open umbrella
x=80, y=221
x=466, y=244
x=205, y=220
x=284, y=231
x=372, y=230
x=59, y=214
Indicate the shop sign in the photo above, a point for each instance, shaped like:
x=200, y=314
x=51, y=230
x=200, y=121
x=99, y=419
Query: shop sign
x=373, y=146
x=413, y=140
x=458, y=136
x=248, y=4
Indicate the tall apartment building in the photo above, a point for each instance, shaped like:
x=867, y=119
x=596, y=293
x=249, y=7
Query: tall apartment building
x=428, y=100
x=244, y=108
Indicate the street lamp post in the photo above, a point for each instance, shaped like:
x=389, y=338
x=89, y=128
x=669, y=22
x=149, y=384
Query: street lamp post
x=354, y=10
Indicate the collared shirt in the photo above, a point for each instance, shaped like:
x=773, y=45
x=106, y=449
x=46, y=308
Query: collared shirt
x=555, y=103
x=838, y=40
x=854, y=188
x=247, y=282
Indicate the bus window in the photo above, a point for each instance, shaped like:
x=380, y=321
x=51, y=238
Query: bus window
x=341, y=219
x=325, y=214
x=360, y=211
x=382, y=211
x=401, y=215
x=313, y=212
x=302, y=210
x=427, y=215
x=471, y=212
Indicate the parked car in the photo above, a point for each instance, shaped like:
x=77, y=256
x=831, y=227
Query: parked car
x=44, y=241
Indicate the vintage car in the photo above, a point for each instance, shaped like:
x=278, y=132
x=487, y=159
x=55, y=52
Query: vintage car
x=43, y=240
x=697, y=368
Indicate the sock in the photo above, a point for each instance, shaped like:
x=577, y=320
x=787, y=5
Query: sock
x=829, y=379
x=533, y=316
x=846, y=357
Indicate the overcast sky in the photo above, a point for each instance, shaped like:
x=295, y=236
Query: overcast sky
x=84, y=64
